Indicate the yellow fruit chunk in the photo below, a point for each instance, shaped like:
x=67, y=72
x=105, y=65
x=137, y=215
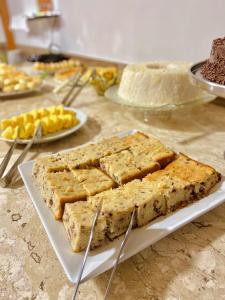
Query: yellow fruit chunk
x=75, y=122
x=22, y=133
x=52, y=110
x=5, y=123
x=8, y=133
x=15, y=132
x=17, y=120
x=58, y=124
x=43, y=112
x=35, y=114
x=69, y=121
x=69, y=112
x=47, y=125
x=27, y=118
x=29, y=129
x=60, y=110
x=51, y=125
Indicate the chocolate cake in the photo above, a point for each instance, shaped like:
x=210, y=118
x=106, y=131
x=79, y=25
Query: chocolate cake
x=214, y=68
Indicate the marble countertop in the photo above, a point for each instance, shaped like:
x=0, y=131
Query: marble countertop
x=188, y=264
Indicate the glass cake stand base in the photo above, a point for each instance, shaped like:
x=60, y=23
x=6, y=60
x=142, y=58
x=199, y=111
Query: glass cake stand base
x=112, y=94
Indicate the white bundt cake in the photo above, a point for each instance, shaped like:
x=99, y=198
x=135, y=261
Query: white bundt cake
x=157, y=83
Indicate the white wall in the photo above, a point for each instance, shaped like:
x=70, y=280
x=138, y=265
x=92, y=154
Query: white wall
x=130, y=30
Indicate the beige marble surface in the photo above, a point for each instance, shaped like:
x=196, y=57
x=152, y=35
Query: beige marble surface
x=189, y=264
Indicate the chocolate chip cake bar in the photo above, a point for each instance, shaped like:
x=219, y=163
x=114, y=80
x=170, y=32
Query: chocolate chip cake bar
x=120, y=166
x=148, y=199
x=176, y=191
x=153, y=150
x=93, y=180
x=48, y=164
x=202, y=176
x=117, y=208
x=126, y=166
x=184, y=180
x=60, y=188
x=77, y=220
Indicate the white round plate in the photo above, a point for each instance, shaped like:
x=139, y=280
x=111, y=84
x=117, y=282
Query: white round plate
x=112, y=94
x=81, y=116
x=198, y=80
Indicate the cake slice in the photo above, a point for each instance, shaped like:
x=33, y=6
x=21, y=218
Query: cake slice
x=48, y=164
x=120, y=166
x=124, y=166
x=117, y=208
x=93, y=180
x=145, y=163
x=148, y=199
x=60, y=188
x=77, y=220
x=154, y=150
x=175, y=191
x=202, y=176
x=82, y=157
x=184, y=180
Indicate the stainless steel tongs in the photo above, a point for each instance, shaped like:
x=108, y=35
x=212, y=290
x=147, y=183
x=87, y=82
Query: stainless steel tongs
x=70, y=97
x=122, y=246
x=7, y=179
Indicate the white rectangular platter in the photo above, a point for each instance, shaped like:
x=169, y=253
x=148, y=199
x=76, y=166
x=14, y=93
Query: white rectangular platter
x=103, y=258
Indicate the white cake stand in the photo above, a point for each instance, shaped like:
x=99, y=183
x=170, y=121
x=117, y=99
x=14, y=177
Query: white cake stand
x=112, y=94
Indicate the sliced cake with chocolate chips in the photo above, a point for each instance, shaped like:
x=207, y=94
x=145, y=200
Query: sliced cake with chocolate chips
x=202, y=176
x=93, y=180
x=120, y=167
x=48, y=164
x=148, y=200
x=175, y=191
x=77, y=220
x=117, y=208
x=184, y=180
x=60, y=188
x=124, y=166
x=153, y=150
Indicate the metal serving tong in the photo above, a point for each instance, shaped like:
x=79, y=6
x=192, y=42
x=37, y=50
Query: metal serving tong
x=7, y=179
x=70, y=97
x=122, y=246
x=95, y=218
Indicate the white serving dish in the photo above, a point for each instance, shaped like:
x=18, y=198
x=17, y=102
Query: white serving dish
x=81, y=116
x=103, y=258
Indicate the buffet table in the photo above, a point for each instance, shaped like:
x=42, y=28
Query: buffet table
x=188, y=264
